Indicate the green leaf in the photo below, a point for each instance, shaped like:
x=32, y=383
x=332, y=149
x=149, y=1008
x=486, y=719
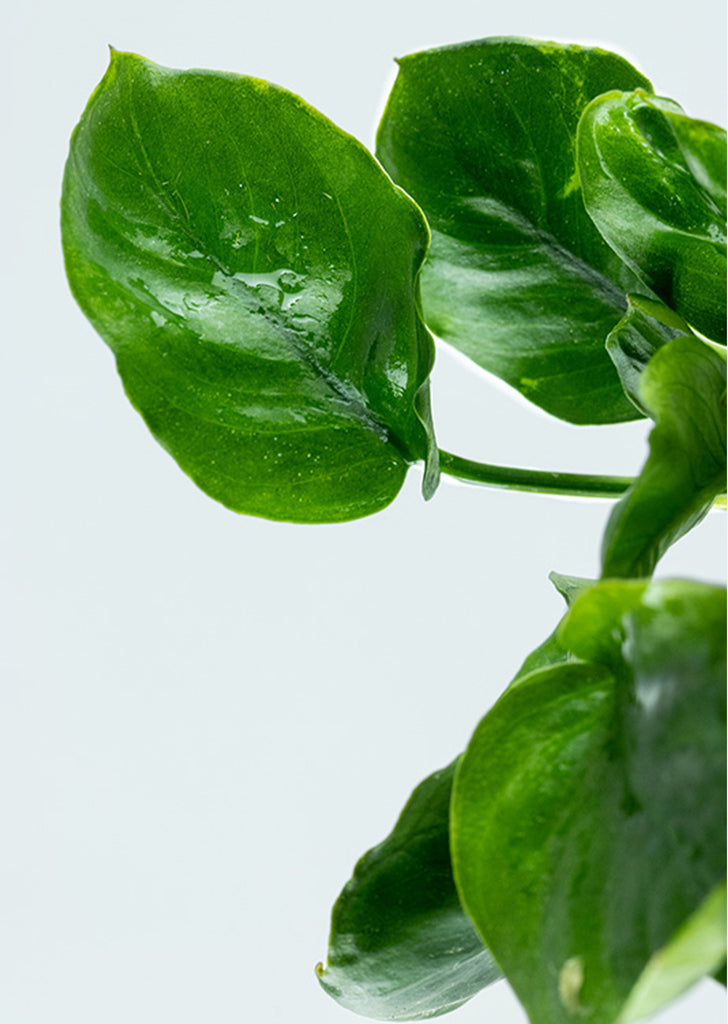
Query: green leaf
x=589, y=809
x=654, y=184
x=255, y=273
x=684, y=388
x=482, y=135
x=698, y=948
x=637, y=337
x=570, y=587
x=593, y=629
x=552, y=651
x=401, y=947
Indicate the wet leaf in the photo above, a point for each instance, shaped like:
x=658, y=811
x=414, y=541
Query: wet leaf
x=218, y=233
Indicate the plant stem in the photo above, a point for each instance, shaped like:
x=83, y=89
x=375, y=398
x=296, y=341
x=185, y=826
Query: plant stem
x=576, y=484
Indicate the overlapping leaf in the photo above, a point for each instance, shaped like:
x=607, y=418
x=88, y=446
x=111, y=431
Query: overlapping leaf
x=589, y=809
x=698, y=948
x=482, y=135
x=552, y=651
x=219, y=235
x=646, y=326
x=684, y=389
x=654, y=183
x=401, y=947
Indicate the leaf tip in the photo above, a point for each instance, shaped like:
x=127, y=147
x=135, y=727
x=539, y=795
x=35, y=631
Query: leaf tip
x=570, y=587
x=431, y=475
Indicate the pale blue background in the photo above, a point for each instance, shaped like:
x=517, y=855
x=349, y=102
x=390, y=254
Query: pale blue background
x=205, y=718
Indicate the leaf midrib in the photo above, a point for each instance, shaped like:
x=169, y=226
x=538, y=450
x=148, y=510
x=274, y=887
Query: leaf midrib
x=348, y=393
x=546, y=238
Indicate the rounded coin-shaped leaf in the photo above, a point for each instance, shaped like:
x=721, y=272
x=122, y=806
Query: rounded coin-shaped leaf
x=654, y=184
x=482, y=135
x=255, y=273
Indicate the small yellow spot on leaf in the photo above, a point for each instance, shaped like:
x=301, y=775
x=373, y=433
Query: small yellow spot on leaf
x=571, y=978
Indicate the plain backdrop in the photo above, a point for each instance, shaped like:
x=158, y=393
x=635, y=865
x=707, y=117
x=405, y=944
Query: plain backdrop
x=207, y=718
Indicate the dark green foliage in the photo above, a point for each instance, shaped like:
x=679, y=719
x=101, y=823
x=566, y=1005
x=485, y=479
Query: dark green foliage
x=483, y=135
x=589, y=809
x=218, y=234
x=401, y=947
x=257, y=275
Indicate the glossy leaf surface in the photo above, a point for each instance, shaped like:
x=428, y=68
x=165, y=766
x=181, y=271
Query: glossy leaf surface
x=401, y=947
x=482, y=135
x=684, y=389
x=219, y=234
x=589, y=808
x=654, y=184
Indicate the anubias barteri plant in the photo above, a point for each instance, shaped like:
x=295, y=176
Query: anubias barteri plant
x=268, y=288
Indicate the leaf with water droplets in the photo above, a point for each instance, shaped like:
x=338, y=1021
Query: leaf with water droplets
x=255, y=273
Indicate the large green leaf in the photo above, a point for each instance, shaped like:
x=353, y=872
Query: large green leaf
x=401, y=947
x=482, y=135
x=684, y=388
x=255, y=273
x=589, y=809
x=654, y=184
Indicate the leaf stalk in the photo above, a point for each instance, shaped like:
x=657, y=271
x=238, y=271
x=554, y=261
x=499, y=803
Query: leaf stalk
x=543, y=481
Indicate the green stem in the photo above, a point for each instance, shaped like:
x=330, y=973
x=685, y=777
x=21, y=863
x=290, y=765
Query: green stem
x=577, y=484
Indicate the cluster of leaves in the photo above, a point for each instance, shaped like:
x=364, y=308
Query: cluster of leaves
x=267, y=289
